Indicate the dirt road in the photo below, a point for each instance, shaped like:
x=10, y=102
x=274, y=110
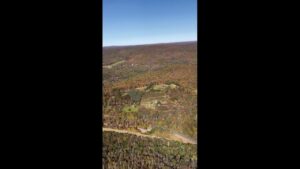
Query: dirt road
x=175, y=137
x=114, y=64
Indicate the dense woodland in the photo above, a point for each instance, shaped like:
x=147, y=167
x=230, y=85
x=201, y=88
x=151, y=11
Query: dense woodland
x=150, y=86
x=123, y=151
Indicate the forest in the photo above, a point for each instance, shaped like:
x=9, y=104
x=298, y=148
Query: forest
x=152, y=90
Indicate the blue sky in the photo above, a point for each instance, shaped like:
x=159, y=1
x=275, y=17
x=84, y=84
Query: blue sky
x=131, y=22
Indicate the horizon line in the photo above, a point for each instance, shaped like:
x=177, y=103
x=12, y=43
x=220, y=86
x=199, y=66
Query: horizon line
x=155, y=43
